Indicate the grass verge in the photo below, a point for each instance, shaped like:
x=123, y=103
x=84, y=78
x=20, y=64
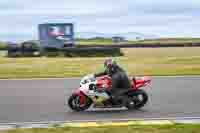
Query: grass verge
x=162, y=41
x=177, y=128
x=138, y=61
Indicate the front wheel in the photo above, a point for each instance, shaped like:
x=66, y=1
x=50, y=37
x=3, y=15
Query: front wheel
x=74, y=103
x=137, y=99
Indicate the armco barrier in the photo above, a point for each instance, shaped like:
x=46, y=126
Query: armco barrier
x=89, y=50
x=67, y=52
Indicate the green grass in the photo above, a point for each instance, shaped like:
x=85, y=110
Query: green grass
x=3, y=46
x=108, y=41
x=138, y=61
x=178, y=128
x=162, y=41
x=93, y=41
x=169, y=41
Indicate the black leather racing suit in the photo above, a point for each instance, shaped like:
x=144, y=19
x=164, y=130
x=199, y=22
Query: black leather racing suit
x=120, y=80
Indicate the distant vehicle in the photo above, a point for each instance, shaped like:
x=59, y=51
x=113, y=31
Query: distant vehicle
x=118, y=39
x=51, y=35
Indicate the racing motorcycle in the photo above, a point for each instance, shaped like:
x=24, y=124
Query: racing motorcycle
x=94, y=91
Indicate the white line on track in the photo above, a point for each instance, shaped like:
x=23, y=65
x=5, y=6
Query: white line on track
x=104, y=120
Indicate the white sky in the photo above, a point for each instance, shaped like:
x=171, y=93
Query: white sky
x=171, y=18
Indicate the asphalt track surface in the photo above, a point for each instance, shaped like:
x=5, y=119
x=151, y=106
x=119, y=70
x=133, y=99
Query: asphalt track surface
x=43, y=100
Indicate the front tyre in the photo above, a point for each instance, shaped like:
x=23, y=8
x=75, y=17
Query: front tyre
x=137, y=99
x=74, y=103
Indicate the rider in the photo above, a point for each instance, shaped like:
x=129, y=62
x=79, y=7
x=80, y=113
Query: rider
x=120, y=80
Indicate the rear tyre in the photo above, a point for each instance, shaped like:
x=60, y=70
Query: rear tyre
x=74, y=103
x=137, y=99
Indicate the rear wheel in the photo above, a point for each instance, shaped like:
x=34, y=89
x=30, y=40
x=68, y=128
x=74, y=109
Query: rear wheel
x=137, y=99
x=74, y=103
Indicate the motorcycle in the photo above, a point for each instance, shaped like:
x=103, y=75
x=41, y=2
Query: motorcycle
x=94, y=91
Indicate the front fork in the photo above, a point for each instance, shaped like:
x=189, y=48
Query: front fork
x=82, y=97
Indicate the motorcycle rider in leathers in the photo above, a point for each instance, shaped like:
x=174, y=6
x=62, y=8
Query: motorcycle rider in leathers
x=120, y=80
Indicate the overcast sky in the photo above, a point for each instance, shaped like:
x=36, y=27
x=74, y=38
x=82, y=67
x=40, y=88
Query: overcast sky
x=169, y=18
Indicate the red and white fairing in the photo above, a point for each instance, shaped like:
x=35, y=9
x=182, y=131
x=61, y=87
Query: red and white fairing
x=104, y=82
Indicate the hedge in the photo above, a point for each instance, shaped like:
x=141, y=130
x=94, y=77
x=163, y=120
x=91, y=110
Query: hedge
x=83, y=52
x=65, y=52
